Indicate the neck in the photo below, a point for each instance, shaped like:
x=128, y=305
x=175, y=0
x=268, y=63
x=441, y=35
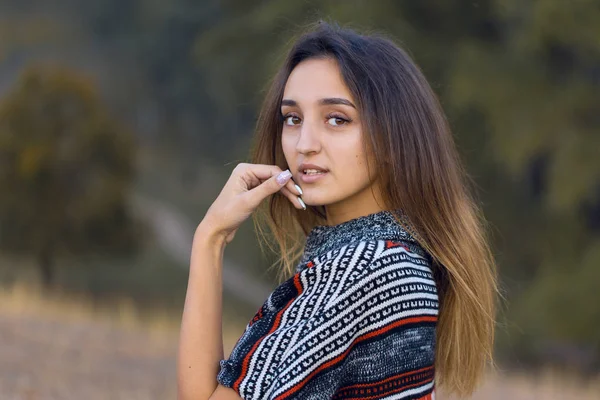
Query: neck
x=361, y=204
x=381, y=225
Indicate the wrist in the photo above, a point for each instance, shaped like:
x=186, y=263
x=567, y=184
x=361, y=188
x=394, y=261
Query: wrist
x=206, y=233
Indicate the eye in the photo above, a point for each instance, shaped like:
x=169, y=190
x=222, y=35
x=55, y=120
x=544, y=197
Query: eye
x=338, y=120
x=286, y=118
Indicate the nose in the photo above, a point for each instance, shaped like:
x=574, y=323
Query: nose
x=308, y=139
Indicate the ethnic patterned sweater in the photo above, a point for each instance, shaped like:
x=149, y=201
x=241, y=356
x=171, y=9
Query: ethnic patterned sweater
x=357, y=320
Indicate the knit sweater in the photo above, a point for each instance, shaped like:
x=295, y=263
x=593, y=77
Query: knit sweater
x=357, y=320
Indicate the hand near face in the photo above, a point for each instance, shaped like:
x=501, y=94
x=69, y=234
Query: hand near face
x=248, y=185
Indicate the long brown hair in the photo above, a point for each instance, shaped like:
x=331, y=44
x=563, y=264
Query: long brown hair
x=408, y=136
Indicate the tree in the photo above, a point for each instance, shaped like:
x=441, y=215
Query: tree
x=537, y=91
x=65, y=171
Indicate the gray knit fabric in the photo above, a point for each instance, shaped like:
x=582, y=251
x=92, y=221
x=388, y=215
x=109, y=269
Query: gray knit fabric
x=380, y=225
x=357, y=320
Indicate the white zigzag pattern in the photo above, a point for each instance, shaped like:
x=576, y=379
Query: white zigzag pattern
x=339, y=316
x=301, y=302
x=320, y=298
x=296, y=312
x=404, y=394
x=354, y=263
x=369, y=295
x=302, y=373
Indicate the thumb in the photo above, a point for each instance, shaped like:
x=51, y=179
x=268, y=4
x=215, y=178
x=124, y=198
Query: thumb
x=268, y=187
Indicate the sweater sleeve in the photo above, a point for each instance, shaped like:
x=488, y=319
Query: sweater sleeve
x=362, y=323
x=390, y=343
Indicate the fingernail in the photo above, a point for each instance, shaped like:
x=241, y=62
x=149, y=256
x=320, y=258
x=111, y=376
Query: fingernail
x=282, y=178
x=298, y=189
x=301, y=203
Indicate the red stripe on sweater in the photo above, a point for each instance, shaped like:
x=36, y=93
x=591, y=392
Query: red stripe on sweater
x=339, y=358
x=401, y=389
x=386, y=380
x=276, y=323
x=389, y=244
x=393, y=384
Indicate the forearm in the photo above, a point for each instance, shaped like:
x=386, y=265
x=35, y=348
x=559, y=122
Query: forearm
x=201, y=339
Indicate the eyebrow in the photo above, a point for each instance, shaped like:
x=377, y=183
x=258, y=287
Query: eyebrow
x=322, y=102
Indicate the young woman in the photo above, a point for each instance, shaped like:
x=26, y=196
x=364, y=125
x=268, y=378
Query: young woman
x=356, y=172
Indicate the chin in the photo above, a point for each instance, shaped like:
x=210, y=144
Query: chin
x=312, y=200
x=318, y=199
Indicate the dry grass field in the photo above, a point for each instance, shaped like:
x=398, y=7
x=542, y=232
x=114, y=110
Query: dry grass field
x=58, y=347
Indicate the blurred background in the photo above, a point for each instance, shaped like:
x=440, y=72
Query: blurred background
x=120, y=122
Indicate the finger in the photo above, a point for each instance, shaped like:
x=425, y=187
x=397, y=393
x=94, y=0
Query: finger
x=293, y=187
x=272, y=185
x=256, y=174
x=294, y=199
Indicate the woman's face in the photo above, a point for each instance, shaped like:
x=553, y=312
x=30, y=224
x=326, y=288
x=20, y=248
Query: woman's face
x=322, y=126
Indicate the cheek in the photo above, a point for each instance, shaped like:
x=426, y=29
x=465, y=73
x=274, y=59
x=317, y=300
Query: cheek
x=359, y=167
x=352, y=163
x=288, y=148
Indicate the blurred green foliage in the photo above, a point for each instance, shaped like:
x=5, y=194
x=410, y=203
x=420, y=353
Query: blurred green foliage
x=66, y=168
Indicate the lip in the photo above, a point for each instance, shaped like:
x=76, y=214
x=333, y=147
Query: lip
x=304, y=166
x=311, y=178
